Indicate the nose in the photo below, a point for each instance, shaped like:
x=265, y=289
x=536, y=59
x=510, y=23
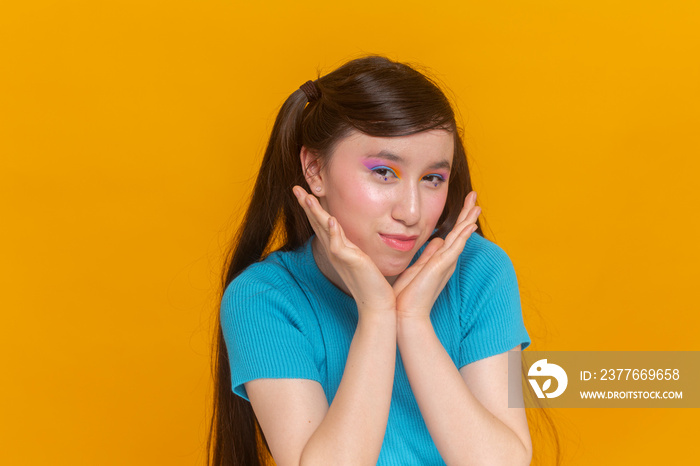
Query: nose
x=407, y=205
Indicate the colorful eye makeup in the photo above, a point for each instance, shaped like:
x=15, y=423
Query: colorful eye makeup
x=386, y=173
x=379, y=167
x=435, y=178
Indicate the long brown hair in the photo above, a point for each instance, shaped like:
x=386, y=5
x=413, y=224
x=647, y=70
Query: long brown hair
x=374, y=95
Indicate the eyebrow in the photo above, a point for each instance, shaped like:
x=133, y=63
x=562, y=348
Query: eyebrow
x=390, y=156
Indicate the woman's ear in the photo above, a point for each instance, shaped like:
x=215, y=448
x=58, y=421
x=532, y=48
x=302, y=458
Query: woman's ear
x=311, y=167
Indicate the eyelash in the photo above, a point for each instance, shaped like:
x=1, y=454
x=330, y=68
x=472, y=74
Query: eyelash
x=438, y=182
x=388, y=172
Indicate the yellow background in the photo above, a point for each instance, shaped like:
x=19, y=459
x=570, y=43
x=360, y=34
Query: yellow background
x=130, y=132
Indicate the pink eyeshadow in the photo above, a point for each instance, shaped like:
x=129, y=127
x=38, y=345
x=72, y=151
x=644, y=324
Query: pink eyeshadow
x=374, y=163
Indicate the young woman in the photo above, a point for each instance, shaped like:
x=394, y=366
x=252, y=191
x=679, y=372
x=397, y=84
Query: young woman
x=364, y=318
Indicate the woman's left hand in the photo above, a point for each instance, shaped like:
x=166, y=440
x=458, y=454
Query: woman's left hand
x=418, y=286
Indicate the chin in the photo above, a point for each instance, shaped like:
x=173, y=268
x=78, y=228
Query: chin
x=393, y=269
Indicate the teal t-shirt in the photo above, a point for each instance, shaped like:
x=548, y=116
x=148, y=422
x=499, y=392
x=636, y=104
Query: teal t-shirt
x=282, y=318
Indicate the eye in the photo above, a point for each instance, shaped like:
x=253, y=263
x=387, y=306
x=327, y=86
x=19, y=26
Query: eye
x=434, y=179
x=385, y=173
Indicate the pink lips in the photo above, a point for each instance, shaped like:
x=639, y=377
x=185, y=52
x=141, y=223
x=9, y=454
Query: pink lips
x=399, y=242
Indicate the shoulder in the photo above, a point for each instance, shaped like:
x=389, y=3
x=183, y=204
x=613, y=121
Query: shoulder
x=488, y=286
x=265, y=286
x=490, y=315
x=484, y=264
x=480, y=252
x=267, y=325
x=272, y=272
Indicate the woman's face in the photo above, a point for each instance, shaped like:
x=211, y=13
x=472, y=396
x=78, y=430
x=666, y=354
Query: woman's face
x=388, y=193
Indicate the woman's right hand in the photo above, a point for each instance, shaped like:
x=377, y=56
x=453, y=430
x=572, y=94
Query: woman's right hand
x=371, y=291
x=418, y=287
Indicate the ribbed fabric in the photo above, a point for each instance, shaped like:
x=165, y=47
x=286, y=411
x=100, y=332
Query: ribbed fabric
x=282, y=318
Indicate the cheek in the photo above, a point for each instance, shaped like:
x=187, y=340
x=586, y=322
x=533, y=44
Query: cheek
x=357, y=198
x=434, y=207
x=359, y=208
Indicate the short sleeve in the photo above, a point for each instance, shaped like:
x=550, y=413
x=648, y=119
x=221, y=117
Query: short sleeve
x=264, y=333
x=492, y=320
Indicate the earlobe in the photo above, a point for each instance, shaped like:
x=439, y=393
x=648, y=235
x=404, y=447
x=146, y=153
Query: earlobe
x=312, y=171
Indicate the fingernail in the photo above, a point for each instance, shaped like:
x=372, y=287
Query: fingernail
x=295, y=190
x=309, y=202
x=331, y=222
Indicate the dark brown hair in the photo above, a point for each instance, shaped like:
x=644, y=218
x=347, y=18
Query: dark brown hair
x=374, y=95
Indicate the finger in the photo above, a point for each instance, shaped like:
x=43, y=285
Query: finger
x=341, y=234
x=319, y=213
x=473, y=214
x=443, y=263
x=456, y=231
x=433, y=246
x=344, y=238
x=313, y=210
x=407, y=275
x=302, y=197
x=449, y=253
x=440, y=265
x=467, y=215
x=452, y=251
x=469, y=202
x=469, y=219
x=336, y=241
x=319, y=225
